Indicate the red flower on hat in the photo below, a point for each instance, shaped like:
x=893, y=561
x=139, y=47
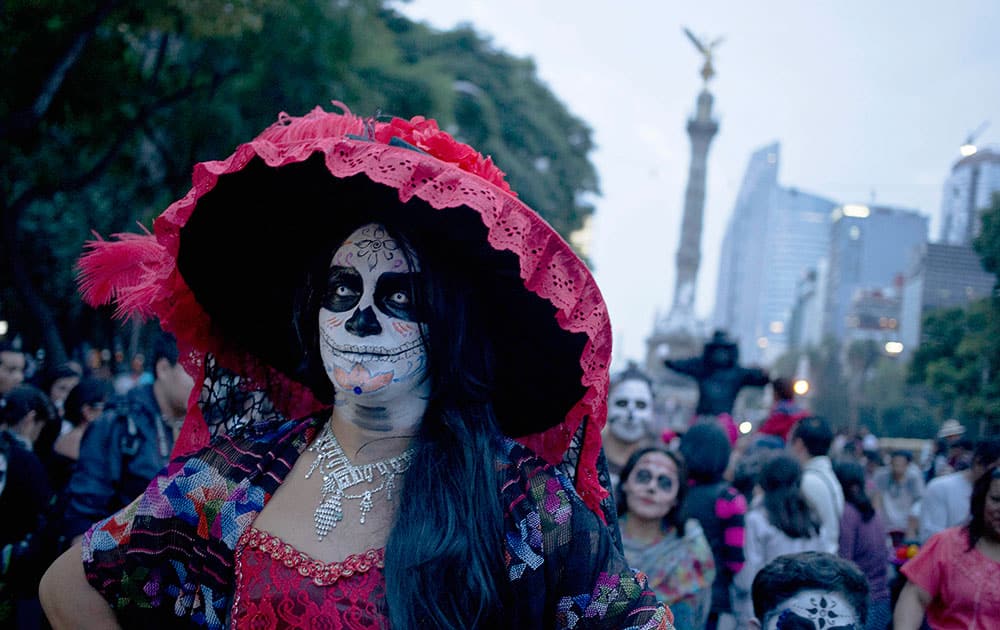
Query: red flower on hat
x=424, y=134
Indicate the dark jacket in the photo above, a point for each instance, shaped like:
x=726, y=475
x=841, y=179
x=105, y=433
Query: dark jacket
x=120, y=453
x=718, y=387
x=720, y=510
x=24, y=498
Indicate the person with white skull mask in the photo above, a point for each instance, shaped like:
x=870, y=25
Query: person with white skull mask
x=404, y=381
x=630, y=417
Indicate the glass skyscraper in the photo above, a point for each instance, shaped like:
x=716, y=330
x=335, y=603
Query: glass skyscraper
x=774, y=237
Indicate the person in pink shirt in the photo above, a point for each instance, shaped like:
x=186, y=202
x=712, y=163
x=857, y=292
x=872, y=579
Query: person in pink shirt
x=955, y=579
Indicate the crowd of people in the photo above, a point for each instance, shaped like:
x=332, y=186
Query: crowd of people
x=74, y=448
x=399, y=370
x=920, y=528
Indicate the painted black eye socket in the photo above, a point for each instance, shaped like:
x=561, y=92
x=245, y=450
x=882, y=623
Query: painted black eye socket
x=394, y=295
x=643, y=477
x=343, y=290
x=640, y=404
x=621, y=403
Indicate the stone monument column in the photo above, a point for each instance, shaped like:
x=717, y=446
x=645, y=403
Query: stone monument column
x=679, y=334
x=701, y=129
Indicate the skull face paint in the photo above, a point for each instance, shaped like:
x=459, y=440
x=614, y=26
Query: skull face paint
x=652, y=486
x=370, y=336
x=630, y=410
x=824, y=610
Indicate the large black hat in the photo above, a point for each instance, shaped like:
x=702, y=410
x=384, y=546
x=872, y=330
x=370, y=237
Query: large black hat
x=225, y=264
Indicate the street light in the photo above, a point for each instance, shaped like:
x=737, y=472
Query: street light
x=801, y=387
x=745, y=427
x=893, y=347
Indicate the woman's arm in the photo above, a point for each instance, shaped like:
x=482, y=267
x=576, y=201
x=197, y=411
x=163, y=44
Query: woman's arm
x=69, y=600
x=909, y=612
x=754, y=551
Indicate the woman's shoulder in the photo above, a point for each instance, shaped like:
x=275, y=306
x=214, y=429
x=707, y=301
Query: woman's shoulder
x=949, y=542
x=541, y=505
x=693, y=530
x=851, y=513
x=757, y=516
x=528, y=483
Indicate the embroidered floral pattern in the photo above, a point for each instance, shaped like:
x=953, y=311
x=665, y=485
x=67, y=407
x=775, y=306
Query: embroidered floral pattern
x=321, y=573
x=279, y=586
x=378, y=244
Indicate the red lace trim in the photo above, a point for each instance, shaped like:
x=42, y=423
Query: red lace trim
x=322, y=573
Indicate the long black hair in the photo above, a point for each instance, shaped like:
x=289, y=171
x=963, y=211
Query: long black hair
x=852, y=479
x=444, y=556
x=784, y=502
x=976, y=528
x=671, y=518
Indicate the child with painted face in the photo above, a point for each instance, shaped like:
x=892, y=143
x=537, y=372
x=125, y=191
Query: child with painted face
x=404, y=431
x=810, y=590
x=673, y=553
x=630, y=416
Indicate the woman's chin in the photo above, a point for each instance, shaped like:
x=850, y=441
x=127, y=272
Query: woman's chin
x=651, y=513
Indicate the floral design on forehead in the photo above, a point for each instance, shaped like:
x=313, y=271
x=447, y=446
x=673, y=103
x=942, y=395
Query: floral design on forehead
x=378, y=243
x=819, y=612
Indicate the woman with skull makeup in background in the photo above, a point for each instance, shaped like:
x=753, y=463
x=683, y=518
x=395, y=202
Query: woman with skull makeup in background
x=404, y=383
x=674, y=554
x=630, y=418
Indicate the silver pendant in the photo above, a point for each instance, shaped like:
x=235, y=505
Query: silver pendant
x=339, y=474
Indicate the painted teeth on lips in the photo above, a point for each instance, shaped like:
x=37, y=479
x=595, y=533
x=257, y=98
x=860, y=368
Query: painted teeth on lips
x=375, y=351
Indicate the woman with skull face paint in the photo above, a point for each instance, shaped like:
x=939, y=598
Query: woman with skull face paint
x=674, y=554
x=630, y=414
x=404, y=383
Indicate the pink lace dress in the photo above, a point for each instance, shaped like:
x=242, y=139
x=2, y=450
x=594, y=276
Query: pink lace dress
x=278, y=586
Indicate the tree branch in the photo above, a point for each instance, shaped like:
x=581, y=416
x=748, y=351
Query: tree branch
x=22, y=120
x=124, y=133
x=161, y=53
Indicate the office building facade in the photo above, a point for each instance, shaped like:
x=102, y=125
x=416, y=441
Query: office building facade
x=942, y=276
x=774, y=237
x=871, y=248
x=967, y=191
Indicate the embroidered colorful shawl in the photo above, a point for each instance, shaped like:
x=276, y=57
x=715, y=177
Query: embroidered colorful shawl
x=167, y=560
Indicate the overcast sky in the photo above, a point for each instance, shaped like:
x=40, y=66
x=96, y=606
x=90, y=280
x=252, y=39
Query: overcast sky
x=868, y=100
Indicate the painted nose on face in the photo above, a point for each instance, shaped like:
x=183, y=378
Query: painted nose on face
x=363, y=323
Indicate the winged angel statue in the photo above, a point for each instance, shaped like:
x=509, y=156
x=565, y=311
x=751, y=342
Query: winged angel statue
x=707, y=50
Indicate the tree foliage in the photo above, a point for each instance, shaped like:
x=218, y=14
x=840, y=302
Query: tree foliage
x=107, y=105
x=860, y=385
x=959, y=357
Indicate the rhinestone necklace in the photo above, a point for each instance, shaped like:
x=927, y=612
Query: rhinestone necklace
x=339, y=474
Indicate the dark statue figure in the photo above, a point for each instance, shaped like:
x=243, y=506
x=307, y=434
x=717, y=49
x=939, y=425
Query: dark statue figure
x=719, y=375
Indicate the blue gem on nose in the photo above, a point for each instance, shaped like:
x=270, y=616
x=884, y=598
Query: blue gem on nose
x=357, y=389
